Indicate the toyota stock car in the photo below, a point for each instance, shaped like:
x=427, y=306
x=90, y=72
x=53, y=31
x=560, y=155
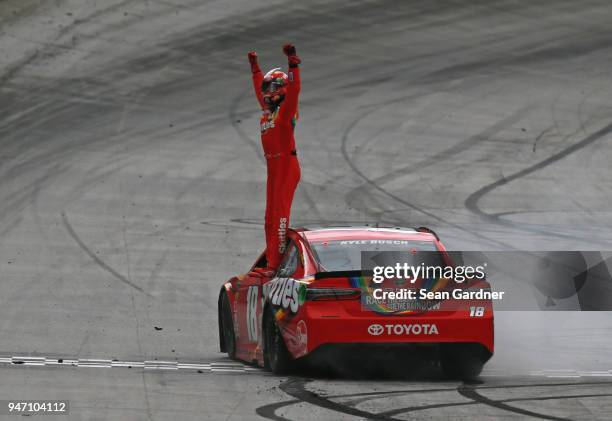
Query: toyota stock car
x=321, y=297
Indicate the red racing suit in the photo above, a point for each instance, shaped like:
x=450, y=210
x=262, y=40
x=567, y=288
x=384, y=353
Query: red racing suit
x=281, y=159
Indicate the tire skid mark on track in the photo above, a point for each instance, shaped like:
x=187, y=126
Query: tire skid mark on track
x=507, y=407
x=531, y=16
x=472, y=202
x=53, y=161
x=368, y=396
x=97, y=260
x=376, y=184
x=50, y=50
x=381, y=189
x=470, y=392
x=296, y=387
x=451, y=152
x=540, y=136
x=14, y=204
x=269, y=411
x=15, y=69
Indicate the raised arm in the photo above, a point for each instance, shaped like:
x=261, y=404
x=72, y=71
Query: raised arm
x=257, y=77
x=290, y=104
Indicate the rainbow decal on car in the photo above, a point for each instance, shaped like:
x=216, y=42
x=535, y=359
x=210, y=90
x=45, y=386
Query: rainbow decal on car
x=280, y=315
x=287, y=295
x=367, y=286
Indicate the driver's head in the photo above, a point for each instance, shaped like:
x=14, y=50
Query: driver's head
x=273, y=88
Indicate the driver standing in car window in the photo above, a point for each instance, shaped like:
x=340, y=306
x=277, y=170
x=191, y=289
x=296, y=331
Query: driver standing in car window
x=277, y=94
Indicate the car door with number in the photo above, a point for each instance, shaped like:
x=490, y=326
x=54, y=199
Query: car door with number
x=248, y=306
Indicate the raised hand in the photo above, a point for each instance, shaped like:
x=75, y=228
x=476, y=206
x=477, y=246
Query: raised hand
x=289, y=50
x=253, y=61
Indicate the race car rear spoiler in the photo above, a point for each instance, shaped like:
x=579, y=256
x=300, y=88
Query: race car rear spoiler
x=343, y=274
x=428, y=230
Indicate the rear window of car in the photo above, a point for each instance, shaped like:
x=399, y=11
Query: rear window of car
x=346, y=254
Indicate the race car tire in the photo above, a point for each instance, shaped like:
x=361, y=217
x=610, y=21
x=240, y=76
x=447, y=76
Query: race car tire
x=462, y=361
x=276, y=356
x=227, y=327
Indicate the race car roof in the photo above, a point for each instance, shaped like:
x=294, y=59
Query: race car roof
x=364, y=233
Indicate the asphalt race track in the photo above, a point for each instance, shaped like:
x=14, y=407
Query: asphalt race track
x=132, y=186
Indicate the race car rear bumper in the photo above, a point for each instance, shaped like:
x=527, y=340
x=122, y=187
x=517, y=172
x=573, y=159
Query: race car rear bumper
x=433, y=327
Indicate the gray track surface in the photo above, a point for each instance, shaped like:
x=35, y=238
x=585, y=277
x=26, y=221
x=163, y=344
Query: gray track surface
x=132, y=185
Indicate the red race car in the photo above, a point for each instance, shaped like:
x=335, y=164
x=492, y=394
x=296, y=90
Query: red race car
x=321, y=298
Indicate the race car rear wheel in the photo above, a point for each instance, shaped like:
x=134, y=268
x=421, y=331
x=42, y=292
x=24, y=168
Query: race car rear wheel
x=227, y=327
x=463, y=361
x=276, y=355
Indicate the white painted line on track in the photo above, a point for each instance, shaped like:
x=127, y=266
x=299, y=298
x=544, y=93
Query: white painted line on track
x=203, y=367
x=570, y=373
x=29, y=360
x=94, y=363
x=193, y=366
x=226, y=367
x=595, y=373
x=563, y=376
x=66, y=362
x=161, y=365
x=128, y=364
